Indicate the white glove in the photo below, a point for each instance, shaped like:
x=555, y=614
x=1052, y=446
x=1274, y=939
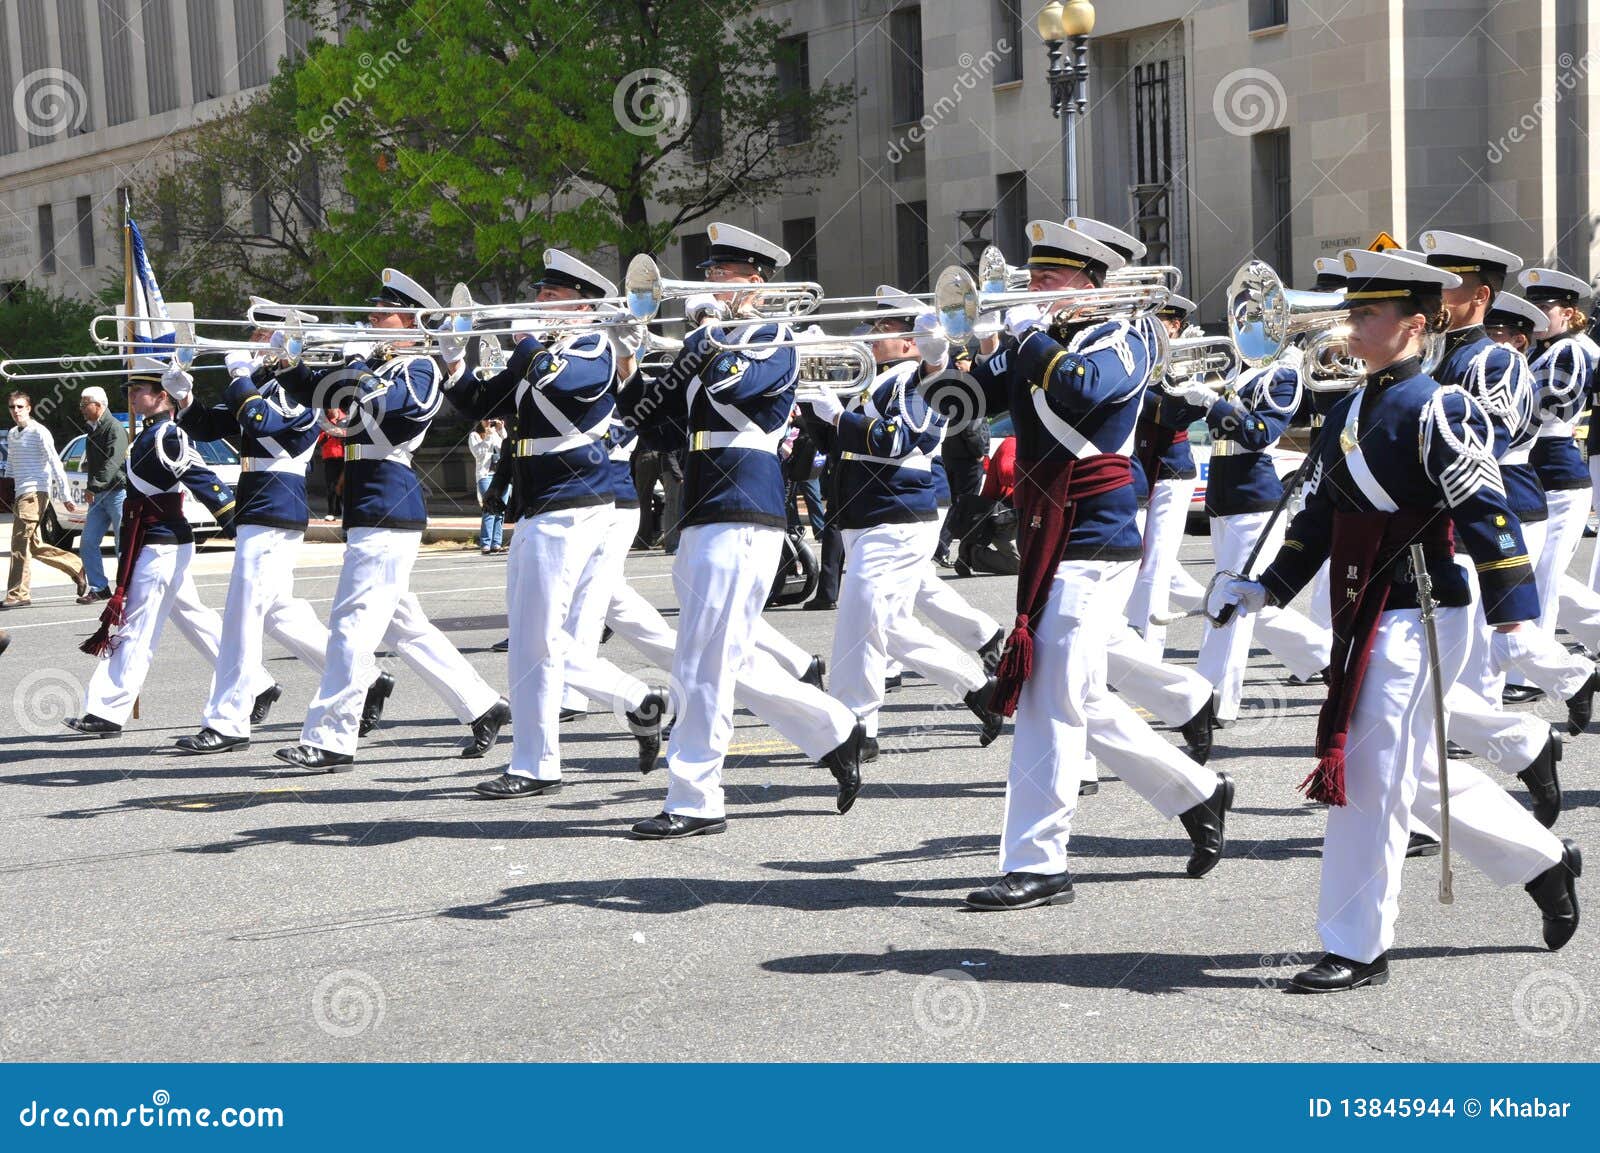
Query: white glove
x=625, y=338
x=452, y=341
x=824, y=403
x=179, y=385
x=356, y=349
x=1247, y=596
x=932, y=346
x=240, y=363
x=1198, y=395
x=702, y=307
x=1292, y=357
x=1022, y=319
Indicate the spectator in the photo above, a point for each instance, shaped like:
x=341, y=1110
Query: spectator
x=484, y=441
x=106, y=463
x=989, y=544
x=330, y=447
x=963, y=453
x=36, y=471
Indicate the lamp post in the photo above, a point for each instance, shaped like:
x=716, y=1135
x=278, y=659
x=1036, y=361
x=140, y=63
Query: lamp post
x=1068, y=25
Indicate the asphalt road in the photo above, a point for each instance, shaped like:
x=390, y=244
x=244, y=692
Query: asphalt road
x=159, y=907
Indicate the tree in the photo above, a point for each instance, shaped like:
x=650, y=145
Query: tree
x=37, y=323
x=476, y=133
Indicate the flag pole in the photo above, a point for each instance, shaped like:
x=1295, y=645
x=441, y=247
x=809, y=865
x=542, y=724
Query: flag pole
x=127, y=290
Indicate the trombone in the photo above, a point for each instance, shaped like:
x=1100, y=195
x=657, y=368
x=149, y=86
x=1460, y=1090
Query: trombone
x=995, y=275
x=646, y=289
x=958, y=301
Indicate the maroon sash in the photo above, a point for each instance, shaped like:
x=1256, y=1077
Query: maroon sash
x=1046, y=496
x=139, y=515
x=1366, y=545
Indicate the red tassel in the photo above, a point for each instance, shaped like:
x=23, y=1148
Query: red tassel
x=1016, y=666
x=103, y=643
x=1326, y=782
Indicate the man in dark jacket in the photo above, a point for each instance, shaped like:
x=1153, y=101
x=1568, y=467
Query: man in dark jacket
x=106, y=464
x=964, y=450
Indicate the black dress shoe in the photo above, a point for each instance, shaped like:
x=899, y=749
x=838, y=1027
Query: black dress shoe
x=1207, y=824
x=671, y=826
x=1555, y=891
x=90, y=725
x=1022, y=891
x=378, y=693
x=1422, y=845
x=503, y=645
x=263, y=706
x=1088, y=788
x=819, y=605
x=894, y=682
x=487, y=728
x=942, y=558
x=208, y=740
x=1335, y=974
x=1457, y=752
x=1320, y=677
x=844, y=763
x=1580, y=705
x=814, y=673
x=508, y=785
x=991, y=722
x=1544, y=787
x=5, y=641
x=606, y=633
x=1197, y=732
x=310, y=759
x=869, y=750
x=991, y=652
x=645, y=725
x=1521, y=694
x=963, y=569
x=571, y=714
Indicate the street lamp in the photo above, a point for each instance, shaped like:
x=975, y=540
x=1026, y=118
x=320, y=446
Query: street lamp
x=1068, y=78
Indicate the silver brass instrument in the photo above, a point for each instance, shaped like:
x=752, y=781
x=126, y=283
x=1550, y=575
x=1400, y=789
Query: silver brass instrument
x=646, y=289
x=1208, y=360
x=1264, y=315
x=1329, y=367
x=958, y=301
x=995, y=275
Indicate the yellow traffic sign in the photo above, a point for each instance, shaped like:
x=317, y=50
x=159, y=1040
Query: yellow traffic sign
x=1383, y=242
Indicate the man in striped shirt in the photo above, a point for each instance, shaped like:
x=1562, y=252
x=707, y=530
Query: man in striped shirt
x=35, y=469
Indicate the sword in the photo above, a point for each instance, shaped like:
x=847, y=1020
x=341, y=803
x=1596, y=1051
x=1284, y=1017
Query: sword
x=1419, y=569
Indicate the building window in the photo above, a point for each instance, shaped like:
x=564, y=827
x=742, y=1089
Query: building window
x=1152, y=158
x=250, y=27
x=800, y=238
x=168, y=220
x=85, y=232
x=1011, y=215
x=794, y=81
x=696, y=248
x=1274, y=235
x=706, y=136
x=1006, y=23
x=911, y=246
x=47, y=239
x=905, y=64
x=1268, y=14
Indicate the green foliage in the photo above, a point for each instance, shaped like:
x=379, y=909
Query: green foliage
x=34, y=322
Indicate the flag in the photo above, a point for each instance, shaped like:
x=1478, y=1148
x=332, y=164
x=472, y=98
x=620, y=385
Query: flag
x=157, y=333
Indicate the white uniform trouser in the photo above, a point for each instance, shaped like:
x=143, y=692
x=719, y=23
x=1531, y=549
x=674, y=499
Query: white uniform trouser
x=160, y=587
x=1391, y=774
x=722, y=576
x=1594, y=491
x=585, y=672
x=1320, y=610
x=1063, y=696
x=1163, y=537
x=948, y=610
x=1475, y=718
x=1301, y=646
x=261, y=603
x=1559, y=595
x=1171, y=693
x=882, y=572
x=373, y=603
x=791, y=658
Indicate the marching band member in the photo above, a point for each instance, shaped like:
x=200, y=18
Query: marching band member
x=157, y=546
x=885, y=439
x=276, y=439
x=732, y=407
x=1074, y=394
x=1242, y=490
x=392, y=393
x=571, y=540
x=1497, y=378
x=1563, y=366
x=1405, y=447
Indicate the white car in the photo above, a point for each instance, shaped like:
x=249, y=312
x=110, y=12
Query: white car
x=61, y=527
